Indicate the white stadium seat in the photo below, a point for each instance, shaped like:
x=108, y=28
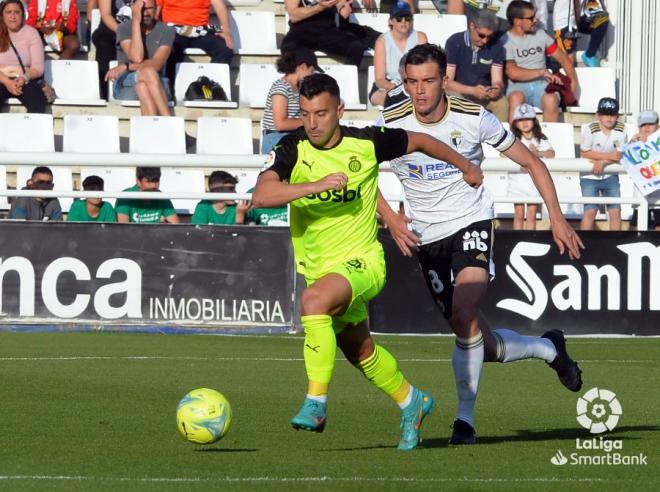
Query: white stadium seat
x=347, y=78
x=253, y=32
x=357, y=123
x=255, y=80
x=377, y=21
x=390, y=187
x=247, y=179
x=498, y=186
x=568, y=185
x=91, y=133
x=217, y=135
x=183, y=180
x=76, y=82
x=189, y=72
x=595, y=83
x=157, y=135
x=562, y=139
x=114, y=178
x=62, y=177
x=4, y=203
x=26, y=132
x=438, y=27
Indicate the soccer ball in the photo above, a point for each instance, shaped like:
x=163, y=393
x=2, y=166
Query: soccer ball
x=203, y=416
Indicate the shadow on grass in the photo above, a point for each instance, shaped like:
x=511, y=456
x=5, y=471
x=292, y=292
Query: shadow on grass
x=223, y=450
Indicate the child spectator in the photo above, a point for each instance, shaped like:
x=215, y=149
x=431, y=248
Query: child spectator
x=647, y=122
x=91, y=209
x=57, y=22
x=526, y=127
x=222, y=212
x=602, y=141
x=146, y=211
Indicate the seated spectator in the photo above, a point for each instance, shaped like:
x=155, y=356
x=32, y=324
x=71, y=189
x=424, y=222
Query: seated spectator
x=390, y=47
x=43, y=209
x=366, y=34
x=647, y=122
x=312, y=25
x=564, y=22
x=21, y=59
x=190, y=19
x=526, y=127
x=273, y=217
x=593, y=20
x=57, y=21
x=541, y=7
x=222, y=212
x=145, y=45
x=282, y=111
x=146, y=211
x=602, y=142
x=113, y=12
x=475, y=64
x=526, y=48
x=92, y=209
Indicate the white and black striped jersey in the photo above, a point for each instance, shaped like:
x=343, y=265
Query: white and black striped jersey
x=439, y=201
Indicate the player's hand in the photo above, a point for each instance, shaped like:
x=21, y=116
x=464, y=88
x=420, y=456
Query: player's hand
x=405, y=239
x=334, y=181
x=566, y=238
x=473, y=176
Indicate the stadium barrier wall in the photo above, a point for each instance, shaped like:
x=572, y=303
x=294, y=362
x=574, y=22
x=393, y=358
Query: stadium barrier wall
x=238, y=279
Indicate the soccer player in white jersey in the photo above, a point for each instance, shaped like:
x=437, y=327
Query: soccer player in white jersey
x=452, y=228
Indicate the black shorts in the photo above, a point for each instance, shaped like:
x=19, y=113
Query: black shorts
x=442, y=260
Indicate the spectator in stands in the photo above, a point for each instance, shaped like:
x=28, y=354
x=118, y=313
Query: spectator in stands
x=145, y=44
x=390, y=47
x=366, y=34
x=222, y=212
x=526, y=50
x=190, y=19
x=540, y=6
x=57, y=21
x=594, y=20
x=30, y=208
x=475, y=64
x=92, y=209
x=272, y=217
x=146, y=211
x=602, y=142
x=21, y=59
x=282, y=111
x=526, y=127
x=312, y=25
x=564, y=23
x=647, y=122
x=113, y=13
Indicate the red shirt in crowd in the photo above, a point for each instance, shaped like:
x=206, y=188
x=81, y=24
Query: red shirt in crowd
x=54, y=12
x=188, y=13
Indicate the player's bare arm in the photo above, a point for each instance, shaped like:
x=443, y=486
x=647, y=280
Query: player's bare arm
x=397, y=223
x=563, y=234
x=271, y=192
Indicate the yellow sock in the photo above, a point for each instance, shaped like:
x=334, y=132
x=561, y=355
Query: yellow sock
x=319, y=352
x=383, y=371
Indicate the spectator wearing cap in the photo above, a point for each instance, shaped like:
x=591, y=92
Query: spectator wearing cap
x=31, y=208
x=602, y=142
x=647, y=122
x=390, y=47
x=475, y=64
x=282, y=111
x=526, y=49
x=91, y=209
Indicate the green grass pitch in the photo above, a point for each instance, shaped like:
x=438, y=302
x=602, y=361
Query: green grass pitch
x=96, y=411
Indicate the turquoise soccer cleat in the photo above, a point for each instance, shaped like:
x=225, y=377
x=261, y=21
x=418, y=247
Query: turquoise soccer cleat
x=311, y=416
x=412, y=417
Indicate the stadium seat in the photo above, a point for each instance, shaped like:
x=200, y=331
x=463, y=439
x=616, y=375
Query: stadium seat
x=357, y=123
x=255, y=81
x=438, y=27
x=157, y=135
x=76, y=82
x=189, y=72
x=183, y=180
x=62, y=178
x=26, y=132
x=377, y=21
x=347, y=78
x=595, y=83
x=114, y=178
x=561, y=137
x=247, y=179
x=217, y=135
x=4, y=203
x=568, y=185
x=254, y=32
x=91, y=133
x=371, y=78
x=243, y=3
x=497, y=184
x=628, y=190
x=390, y=187
x=93, y=25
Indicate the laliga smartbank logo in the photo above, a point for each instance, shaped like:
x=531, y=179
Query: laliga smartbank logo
x=598, y=410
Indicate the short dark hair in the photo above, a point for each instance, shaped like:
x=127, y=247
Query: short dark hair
x=151, y=174
x=516, y=10
x=318, y=83
x=93, y=183
x=287, y=63
x=427, y=52
x=484, y=18
x=42, y=170
x=221, y=177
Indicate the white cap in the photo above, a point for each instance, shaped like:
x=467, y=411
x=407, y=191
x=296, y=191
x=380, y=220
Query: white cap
x=524, y=112
x=647, y=117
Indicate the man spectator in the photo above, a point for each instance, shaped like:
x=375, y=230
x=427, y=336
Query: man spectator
x=190, y=19
x=30, y=208
x=222, y=212
x=113, y=13
x=57, y=22
x=475, y=64
x=526, y=49
x=602, y=142
x=92, y=209
x=145, y=46
x=146, y=211
x=312, y=25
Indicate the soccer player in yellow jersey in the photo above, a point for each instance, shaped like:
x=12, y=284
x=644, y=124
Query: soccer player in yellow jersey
x=329, y=174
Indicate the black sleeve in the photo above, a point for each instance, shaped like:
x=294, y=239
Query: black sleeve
x=283, y=157
x=389, y=143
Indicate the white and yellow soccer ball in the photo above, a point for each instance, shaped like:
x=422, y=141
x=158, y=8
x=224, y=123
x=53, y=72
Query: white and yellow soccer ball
x=203, y=416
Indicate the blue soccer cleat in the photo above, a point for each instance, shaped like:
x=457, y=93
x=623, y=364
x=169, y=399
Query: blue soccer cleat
x=311, y=416
x=412, y=417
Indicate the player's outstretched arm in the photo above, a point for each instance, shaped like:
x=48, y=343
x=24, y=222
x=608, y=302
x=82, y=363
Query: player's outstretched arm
x=397, y=223
x=563, y=234
x=435, y=148
x=272, y=192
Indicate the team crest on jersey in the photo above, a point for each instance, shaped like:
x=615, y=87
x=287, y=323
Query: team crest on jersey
x=355, y=264
x=415, y=171
x=354, y=165
x=270, y=159
x=456, y=138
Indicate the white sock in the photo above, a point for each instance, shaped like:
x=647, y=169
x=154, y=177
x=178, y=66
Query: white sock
x=514, y=346
x=408, y=398
x=467, y=361
x=321, y=398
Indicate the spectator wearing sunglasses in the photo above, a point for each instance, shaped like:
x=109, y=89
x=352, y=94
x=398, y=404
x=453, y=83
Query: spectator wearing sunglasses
x=32, y=208
x=475, y=64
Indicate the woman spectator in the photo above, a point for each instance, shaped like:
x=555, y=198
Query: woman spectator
x=57, y=21
x=105, y=36
x=390, y=48
x=282, y=112
x=21, y=59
